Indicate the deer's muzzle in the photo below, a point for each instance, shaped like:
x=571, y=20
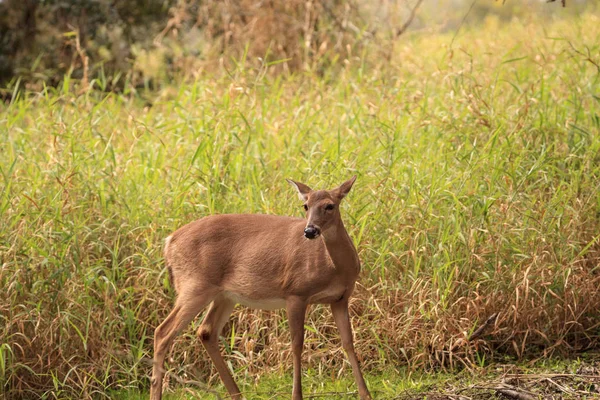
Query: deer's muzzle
x=311, y=232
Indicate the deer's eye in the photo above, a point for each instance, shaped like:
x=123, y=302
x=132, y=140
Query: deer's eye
x=305, y=207
x=329, y=207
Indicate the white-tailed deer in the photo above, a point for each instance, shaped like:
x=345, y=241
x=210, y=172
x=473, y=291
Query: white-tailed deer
x=261, y=261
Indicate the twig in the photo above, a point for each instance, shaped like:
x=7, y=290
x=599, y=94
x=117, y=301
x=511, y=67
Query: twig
x=507, y=390
x=560, y=387
x=411, y=17
x=588, y=56
x=515, y=394
x=542, y=376
x=568, y=390
x=462, y=22
x=477, y=333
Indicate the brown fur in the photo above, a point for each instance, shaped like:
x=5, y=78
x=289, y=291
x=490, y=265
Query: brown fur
x=232, y=252
x=262, y=261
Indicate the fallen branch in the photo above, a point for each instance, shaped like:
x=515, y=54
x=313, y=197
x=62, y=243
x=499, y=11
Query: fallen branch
x=515, y=394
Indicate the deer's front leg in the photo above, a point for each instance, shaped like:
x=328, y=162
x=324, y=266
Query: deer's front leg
x=296, y=310
x=342, y=320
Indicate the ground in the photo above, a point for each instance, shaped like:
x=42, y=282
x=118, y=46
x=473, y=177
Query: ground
x=578, y=378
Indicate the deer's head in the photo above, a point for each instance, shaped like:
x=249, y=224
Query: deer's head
x=321, y=206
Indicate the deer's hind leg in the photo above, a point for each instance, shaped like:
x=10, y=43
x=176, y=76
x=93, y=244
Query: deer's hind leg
x=187, y=306
x=209, y=331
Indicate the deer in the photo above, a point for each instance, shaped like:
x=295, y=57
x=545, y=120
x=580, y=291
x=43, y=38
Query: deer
x=265, y=262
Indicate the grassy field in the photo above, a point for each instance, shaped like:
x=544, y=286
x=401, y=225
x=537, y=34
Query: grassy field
x=478, y=192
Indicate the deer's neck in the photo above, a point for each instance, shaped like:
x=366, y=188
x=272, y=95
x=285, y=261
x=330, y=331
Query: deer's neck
x=341, y=248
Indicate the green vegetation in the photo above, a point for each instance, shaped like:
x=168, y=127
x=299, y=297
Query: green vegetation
x=478, y=160
x=386, y=384
x=550, y=378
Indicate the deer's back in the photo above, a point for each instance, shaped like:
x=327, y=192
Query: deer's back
x=235, y=251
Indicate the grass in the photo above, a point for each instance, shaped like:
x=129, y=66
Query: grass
x=550, y=378
x=385, y=384
x=478, y=192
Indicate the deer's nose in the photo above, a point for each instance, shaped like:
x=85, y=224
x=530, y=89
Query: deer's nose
x=311, y=232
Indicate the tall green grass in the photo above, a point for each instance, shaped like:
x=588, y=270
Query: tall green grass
x=478, y=192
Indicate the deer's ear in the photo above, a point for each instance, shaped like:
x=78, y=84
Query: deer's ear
x=302, y=189
x=344, y=188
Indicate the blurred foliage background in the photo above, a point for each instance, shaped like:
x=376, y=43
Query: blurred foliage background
x=149, y=43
